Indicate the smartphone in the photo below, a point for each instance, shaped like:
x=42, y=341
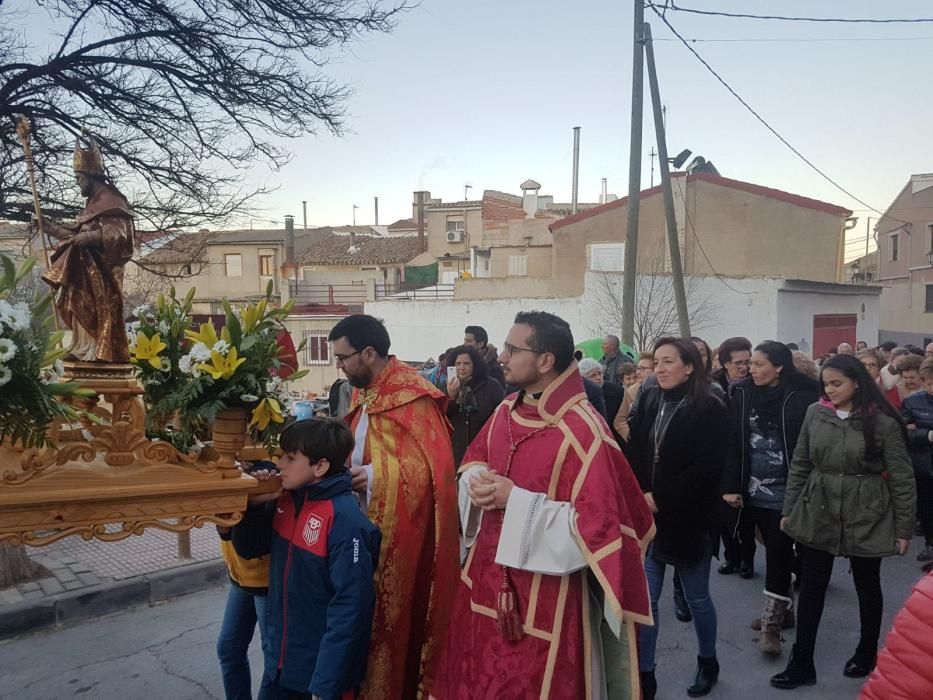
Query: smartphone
x=451, y=373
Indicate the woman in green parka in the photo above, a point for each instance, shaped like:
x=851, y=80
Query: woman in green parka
x=850, y=493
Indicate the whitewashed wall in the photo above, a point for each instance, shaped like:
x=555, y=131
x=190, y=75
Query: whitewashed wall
x=423, y=329
x=797, y=309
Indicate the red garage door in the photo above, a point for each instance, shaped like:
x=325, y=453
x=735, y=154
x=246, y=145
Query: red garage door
x=831, y=329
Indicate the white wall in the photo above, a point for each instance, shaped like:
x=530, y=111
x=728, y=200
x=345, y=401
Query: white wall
x=797, y=309
x=423, y=329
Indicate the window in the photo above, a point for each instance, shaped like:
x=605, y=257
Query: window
x=895, y=245
x=265, y=265
x=186, y=270
x=518, y=266
x=455, y=225
x=929, y=305
x=233, y=265
x=317, y=349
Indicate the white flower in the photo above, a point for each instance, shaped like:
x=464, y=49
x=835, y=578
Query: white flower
x=248, y=398
x=140, y=311
x=7, y=349
x=14, y=316
x=5, y=375
x=164, y=328
x=221, y=346
x=200, y=352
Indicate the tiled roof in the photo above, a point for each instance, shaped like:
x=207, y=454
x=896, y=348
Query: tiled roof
x=338, y=249
x=403, y=225
x=182, y=249
x=192, y=247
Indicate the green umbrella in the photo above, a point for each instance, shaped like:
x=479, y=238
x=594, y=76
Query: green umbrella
x=594, y=348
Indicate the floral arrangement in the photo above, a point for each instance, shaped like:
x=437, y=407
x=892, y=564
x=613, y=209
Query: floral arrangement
x=157, y=343
x=31, y=369
x=239, y=367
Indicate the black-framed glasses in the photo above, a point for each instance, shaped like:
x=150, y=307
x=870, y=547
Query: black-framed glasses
x=344, y=358
x=510, y=349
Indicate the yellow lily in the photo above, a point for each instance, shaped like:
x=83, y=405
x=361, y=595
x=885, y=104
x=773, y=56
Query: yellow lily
x=268, y=411
x=222, y=367
x=253, y=315
x=148, y=349
x=207, y=335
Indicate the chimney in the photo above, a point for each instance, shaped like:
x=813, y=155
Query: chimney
x=576, y=168
x=304, y=209
x=605, y=192
x=376, y=202
x=530, y=190
x=419, y=202
x=290, y=240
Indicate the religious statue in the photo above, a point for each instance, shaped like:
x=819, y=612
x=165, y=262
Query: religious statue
x=86, y=269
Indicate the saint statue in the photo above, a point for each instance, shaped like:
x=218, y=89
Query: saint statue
x=86, y=269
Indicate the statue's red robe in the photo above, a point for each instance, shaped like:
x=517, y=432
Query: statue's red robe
x=414, y=504
x=573, y=458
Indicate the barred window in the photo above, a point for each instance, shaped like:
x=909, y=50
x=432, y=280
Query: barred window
x=317, y=349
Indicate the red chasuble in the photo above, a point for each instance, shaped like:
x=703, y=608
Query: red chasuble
x=414, y=505
x=574, y=459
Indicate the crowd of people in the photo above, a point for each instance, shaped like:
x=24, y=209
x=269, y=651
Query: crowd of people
x=499, y=525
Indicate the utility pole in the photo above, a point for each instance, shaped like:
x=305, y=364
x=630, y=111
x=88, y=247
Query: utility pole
x=634, y=177
x=652, y=154
x=677, y=270
x=304, y=209
x=867, y=237
x=354, y=214
x=376, y=204
x=574, y=189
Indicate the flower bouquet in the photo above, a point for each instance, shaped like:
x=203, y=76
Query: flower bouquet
x=237, y=368
x=31, y=370
x=157, y=344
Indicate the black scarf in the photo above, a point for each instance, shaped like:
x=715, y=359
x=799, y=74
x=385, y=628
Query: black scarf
x=766, y=402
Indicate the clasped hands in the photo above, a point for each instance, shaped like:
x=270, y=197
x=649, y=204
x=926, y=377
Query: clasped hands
x=489, y=490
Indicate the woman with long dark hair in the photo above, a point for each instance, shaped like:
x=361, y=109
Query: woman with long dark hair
x=850, y=493
x=473, y=397
x=679, y=434
x=766, y=413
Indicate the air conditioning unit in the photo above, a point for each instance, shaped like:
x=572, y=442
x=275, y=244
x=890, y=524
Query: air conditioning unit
x=455, y=236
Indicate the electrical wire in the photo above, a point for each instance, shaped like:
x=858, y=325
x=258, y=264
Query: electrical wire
x=815, y=40
x=761, y=119
x=840, y=20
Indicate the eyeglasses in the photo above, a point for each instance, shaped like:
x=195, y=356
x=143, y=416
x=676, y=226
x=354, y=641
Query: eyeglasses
x=343, y=358
x=643, y=369
x=510, y=349
x=740, y=363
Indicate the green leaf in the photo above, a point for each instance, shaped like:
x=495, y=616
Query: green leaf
x=248, y=342
x=25, y=268
x=8, y=281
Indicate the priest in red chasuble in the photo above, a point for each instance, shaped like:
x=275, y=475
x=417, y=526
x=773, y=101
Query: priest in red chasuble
x=403, y=468
x=556, y=526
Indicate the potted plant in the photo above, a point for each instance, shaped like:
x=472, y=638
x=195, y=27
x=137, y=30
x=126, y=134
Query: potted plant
x=31, y=391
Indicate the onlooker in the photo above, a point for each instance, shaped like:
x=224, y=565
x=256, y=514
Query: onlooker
x=929, y=350
x=339, y=397
x=765, y=414
x=889, y=371
x=706, y=356
x=479, y=338
x=805, y=365
x=473, y=397
x=908, y=372
x=612, y=393
x=324, y=554
x=845, y=349
x=850, y=493
x=917, y=410
x=677, y=448
x=628, y=374
x=643, y=369
x=872, y=362
x=612, y=358
x=737, y=530
x=861, y=345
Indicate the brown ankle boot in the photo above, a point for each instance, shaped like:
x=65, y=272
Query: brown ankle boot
x=769, y=639
x=790, y=621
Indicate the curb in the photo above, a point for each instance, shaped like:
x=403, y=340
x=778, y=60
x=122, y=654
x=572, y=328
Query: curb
x=106, y=598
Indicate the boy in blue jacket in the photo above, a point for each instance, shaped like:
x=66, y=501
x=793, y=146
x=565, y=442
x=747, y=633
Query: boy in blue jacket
x=324, y=552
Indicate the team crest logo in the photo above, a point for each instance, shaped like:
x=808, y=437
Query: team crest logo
x=312, y=531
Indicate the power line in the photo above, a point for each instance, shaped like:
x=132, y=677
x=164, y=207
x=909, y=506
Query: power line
x=758, y=116
x=801, y=40
x=841, y=20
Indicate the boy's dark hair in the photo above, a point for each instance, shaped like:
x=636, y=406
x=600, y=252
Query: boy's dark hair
x=479, y=334
x=551, y=334
x=320, y=438
x=362, y=331
x=480, y=368
x=888, y=345
x=731, y=345
x=626, y=368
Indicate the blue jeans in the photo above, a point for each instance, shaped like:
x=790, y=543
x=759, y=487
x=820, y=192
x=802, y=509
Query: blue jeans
x=696, y=590
x=242, y=612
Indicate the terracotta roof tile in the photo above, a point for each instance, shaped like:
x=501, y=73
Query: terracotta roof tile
x=338, y=249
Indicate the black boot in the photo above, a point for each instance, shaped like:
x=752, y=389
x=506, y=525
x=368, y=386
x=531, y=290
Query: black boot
x=706, y=676
x=649, y=685
x=862, y=662
x=799, y=671
x=681, y=609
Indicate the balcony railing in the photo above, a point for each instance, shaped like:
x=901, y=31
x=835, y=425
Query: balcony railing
x=389, y=292
x=352, y=296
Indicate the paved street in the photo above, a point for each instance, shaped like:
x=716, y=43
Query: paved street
x=167, y=651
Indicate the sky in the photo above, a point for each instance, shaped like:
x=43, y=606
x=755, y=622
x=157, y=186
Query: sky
x=486, y=93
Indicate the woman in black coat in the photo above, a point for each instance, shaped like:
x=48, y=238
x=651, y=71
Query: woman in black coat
x=678, y=443
x=766, y=414
x=473, y=397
